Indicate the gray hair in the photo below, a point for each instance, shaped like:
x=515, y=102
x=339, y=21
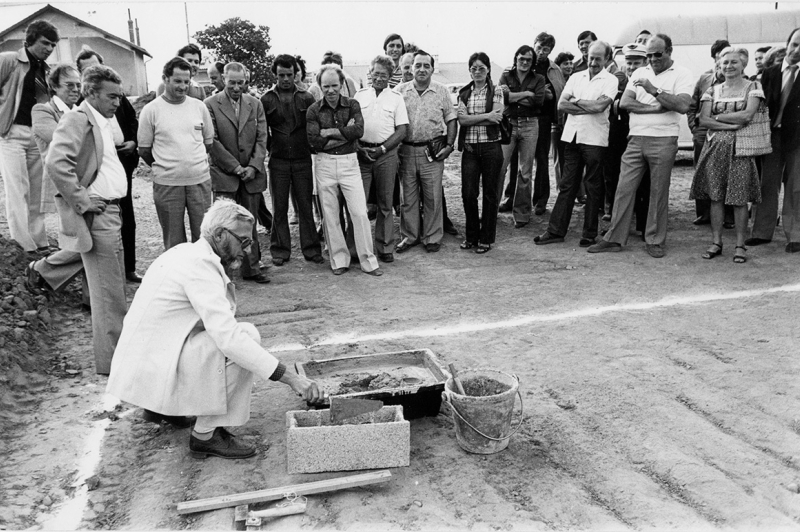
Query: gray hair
x=223, y=213
x=409, y=55
x=235, y=67
x=93, y=78
x=332, y=67
x=743, y=54
x=383, y=60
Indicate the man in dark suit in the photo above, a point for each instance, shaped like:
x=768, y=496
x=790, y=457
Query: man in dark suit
x=238, y=153
x=782, y=165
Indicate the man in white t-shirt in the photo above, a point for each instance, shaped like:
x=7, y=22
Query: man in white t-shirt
x=656, y=96
x=175, y=134
x=585, y=99
x=385, y=125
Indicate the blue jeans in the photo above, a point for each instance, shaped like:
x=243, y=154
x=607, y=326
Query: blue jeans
x=525, y=133
x=481, y=162
x=576, y=157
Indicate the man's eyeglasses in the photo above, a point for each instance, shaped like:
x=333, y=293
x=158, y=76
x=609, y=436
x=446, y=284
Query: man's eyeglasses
x=71, y=86
x=244, y=242
x=657, y=55
x=476, y=70
x=380, y=76
x=524, y=59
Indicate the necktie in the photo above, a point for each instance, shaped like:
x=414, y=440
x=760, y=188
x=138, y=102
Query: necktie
x=787, y=89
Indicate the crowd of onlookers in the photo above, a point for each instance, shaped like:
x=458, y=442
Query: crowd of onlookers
x=342, y=155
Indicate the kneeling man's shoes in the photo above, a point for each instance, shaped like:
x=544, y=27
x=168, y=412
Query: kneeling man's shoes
x=179, y=422
x=222, y=444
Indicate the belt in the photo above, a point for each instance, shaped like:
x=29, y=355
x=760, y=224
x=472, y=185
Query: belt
x=417, y=144
x=370, y=144
x=114, y=201
x=525, y=118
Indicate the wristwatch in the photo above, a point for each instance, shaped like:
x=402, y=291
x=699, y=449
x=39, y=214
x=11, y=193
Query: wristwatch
x=383, y=149
x=659, y=91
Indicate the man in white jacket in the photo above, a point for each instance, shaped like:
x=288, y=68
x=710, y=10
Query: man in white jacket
x=182, y=352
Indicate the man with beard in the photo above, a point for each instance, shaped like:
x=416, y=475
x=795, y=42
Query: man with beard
x=182, y=352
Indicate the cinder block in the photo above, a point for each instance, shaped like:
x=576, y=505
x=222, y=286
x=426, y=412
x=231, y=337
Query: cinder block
x=375, y=440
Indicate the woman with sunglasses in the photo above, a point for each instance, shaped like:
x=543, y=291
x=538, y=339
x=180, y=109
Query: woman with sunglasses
x=480, y=111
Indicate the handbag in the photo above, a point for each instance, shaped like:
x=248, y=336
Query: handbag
x=435, y=145
x=754, y=138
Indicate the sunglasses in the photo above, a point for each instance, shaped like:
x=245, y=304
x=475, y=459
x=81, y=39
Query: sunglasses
x=657, y=55
x=244, y=242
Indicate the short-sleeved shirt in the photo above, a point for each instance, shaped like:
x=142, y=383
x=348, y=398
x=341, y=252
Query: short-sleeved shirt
x=382, y=113
x=476, y=105
x=429, y=112
x=177, y=134
x=591, y=129
x=675, y=80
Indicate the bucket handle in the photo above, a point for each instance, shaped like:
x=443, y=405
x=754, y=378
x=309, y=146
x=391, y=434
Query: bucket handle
x=446, y=397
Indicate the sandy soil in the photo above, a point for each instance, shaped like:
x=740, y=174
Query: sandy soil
x=657, y=393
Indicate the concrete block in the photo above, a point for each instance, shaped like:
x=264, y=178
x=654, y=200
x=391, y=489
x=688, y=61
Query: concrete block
x=375, y=440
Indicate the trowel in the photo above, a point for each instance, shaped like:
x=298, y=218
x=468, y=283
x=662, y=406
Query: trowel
x=342, y=408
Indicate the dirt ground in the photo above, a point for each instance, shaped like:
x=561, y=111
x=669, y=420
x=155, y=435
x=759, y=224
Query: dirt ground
x=658, y=394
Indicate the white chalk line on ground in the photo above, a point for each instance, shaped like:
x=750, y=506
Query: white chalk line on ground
x=472, y=327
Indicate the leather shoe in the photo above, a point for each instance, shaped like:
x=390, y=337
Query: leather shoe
x=520, y=225
x=316, y=259
x=450, y=229
x=755, y=241
x=259, y=278
x=547, y=238
x=432, y=247
x=385, y=257
x=792, y=247
x=222, y=444
x=279, y=261
x=34, y=281
x=133, y=277
x=586, y=242
x=179, y=422
x=655, y=251
x=405, y=245
x=340, y=271
x=603, y=246
x=702, y=220
x=377, y=272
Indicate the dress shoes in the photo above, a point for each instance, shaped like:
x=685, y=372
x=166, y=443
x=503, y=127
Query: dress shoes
x=277, y=261
x=604, y=247
x=586, y=242
x=655, y=251
x=520, y=225
x=340, y=271
x=179, y=422
x=755, y=241
x=34, y=281
x=547, y=238
x=133, y=277
x=432, y=247
x=386, y=257
x=222, y=444
x=702, y=220
x=259, y=278
x=405, y=245
x=377, y=272
x=316, y=259
x=792, y=247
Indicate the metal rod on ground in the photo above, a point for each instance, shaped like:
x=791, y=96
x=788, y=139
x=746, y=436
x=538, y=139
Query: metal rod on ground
x=456, y=380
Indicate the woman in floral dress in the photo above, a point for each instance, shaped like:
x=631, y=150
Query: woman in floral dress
x=721, y=176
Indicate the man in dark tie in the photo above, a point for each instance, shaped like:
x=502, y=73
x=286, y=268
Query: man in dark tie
x=783, y=164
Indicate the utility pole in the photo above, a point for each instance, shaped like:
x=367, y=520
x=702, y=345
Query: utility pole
x=186, y=13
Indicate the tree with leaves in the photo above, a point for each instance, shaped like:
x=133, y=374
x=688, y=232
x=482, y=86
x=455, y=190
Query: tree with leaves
x=244, y=42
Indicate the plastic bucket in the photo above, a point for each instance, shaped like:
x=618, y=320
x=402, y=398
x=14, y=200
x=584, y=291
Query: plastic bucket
x=483, y=423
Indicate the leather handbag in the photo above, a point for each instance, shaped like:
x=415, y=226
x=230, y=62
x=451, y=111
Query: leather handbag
x=435, y=145
x=754, y=138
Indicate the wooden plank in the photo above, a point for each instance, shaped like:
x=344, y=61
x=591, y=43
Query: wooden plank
x=279, y=511
x=273, y=494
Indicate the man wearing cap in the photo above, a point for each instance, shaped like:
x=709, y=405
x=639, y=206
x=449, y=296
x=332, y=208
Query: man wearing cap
x=656, y=96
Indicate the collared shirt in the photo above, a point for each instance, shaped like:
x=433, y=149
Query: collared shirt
x=382, y=113
x=580, y=65
x=111, y=182
x=532, y=82
x=34, y=89
x=235, y=104
x=785, y=70
x=591, y=129
x=346, y=117
x=675, y=80
x=476, y=105
x=395, y=80
x=286, y=123
x=429, y=112
x=60, y=105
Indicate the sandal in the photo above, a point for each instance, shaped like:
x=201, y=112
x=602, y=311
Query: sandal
x=466, y=244
x=711, y=252
x=483, y=248
x=739, y=258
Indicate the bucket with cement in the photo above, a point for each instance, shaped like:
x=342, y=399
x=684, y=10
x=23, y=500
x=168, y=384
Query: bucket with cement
x=483, y=416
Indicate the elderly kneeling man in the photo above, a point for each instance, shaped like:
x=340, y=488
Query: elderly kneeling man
x=182, y=352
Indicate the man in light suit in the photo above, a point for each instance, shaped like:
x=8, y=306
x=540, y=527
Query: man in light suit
x=83, y=163
x=182, y=352
x=238, y=153
x=782, y=92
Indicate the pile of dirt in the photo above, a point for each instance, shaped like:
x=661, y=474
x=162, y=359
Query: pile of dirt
x=25, y=337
